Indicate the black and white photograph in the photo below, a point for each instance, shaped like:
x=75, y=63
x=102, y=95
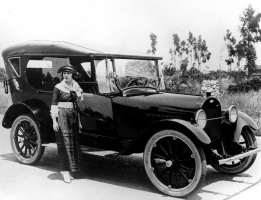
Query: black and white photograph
x=130, y=99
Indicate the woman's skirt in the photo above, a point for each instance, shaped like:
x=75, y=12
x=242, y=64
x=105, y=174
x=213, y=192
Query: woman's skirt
x=67, y=139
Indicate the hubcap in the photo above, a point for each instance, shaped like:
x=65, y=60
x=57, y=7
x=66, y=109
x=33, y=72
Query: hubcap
x=169, y=163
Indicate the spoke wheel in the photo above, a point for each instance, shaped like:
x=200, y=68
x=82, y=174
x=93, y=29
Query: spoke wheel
x=174, y=163
x=26, y=141
x=246, y=140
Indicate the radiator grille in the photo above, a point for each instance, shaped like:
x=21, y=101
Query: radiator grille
x=213, y=126
x=151, y=117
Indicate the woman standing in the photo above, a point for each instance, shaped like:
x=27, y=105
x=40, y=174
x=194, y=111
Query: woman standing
x=64, y=108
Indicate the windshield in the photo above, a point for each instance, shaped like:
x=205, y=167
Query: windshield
x=128, y=73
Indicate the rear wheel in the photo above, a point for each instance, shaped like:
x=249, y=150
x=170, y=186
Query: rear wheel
x=246, y=140
x=26, y=140
x=174, y=163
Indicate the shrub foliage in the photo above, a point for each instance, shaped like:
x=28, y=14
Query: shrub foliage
x=245, y=86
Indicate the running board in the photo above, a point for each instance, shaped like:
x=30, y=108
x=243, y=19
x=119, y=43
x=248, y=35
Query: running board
x=249, y=153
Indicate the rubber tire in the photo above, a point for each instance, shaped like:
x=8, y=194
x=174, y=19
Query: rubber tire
x=200, y=172
x=39, y=148
x=247, y=163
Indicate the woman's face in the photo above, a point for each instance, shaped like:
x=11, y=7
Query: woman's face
x=68, y=76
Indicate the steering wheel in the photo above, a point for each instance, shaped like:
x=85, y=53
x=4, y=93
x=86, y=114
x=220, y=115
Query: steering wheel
x=135, y=81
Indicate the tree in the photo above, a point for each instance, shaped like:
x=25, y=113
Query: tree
x=175, y=52
x=153, y=39
x=194, y=48
x=168, y=70
x=250, y=33
x=253, y=24
x=183, y=48
x=184, y=65
x=191, y=47
x=202, y=55
x=197, y=50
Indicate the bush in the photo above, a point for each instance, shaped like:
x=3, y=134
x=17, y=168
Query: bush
x=2, y=74
x=245, y=86
x=5, y=99
x=182, y=84
x=169, y=70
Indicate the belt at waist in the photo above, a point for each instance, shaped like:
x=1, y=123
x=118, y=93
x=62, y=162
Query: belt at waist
x=65, y=104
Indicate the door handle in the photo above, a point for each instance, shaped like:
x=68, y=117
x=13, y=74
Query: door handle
x=40, y=91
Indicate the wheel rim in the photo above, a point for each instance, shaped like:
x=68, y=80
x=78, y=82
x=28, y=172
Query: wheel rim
x=173, y=162
x=26, y=139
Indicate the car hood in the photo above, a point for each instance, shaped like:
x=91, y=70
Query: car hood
x=162, y=102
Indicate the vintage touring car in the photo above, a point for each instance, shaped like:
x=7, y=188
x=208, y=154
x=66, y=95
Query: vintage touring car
x=125, y=109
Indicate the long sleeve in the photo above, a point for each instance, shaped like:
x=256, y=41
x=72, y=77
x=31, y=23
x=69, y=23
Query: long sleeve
x=55, y=100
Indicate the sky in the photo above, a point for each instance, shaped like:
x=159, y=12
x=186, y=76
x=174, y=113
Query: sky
x=123, y=23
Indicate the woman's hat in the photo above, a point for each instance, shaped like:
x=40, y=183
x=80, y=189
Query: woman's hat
x=69, y=68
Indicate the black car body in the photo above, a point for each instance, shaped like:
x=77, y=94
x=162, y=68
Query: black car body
x=126, y=110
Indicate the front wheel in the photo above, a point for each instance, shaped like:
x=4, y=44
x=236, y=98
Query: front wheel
x=174, y=163
x=246, y=140
x=26, y=140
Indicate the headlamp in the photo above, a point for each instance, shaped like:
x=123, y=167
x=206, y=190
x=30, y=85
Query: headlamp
x=201, y=118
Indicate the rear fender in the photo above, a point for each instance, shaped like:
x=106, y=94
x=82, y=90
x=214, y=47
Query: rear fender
x=244, y=120
x=176, y=124
x=36, y=108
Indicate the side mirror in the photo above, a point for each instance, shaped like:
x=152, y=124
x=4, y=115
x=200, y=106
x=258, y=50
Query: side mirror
x=115, y=76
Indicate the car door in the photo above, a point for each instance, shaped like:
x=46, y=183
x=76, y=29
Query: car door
x=96, y=109
x=96, y=115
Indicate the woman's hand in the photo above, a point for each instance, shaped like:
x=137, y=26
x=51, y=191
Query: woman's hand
x=55, y=126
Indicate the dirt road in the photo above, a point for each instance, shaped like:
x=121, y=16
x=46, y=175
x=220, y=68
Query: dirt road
x=107, y=178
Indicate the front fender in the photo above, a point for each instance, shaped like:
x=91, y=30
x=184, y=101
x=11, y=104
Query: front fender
x=138, y=144
x=243, y=120
x=196, y=130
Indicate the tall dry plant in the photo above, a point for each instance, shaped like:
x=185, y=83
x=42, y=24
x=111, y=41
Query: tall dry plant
x=249, y=103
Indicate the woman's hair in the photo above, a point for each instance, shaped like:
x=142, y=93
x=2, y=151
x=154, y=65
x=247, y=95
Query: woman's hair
x=73, y=75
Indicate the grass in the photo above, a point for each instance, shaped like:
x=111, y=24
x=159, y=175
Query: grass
x=249, y=103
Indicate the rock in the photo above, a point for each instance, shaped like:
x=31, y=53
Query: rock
x=204, y=88
x=210, y=86
x=210, y=90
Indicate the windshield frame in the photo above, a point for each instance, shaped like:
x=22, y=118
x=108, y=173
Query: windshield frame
x=113, y=75
x=141, y=86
